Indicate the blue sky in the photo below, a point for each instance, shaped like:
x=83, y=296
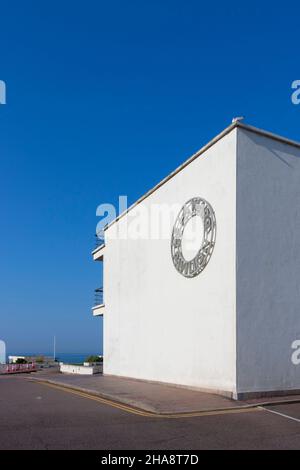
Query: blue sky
x=106, y=98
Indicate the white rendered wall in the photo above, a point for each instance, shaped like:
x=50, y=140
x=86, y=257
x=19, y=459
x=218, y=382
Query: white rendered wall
x=80, y=370
x=268, y=263
x=159, y=325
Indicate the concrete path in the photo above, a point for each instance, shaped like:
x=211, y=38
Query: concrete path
x=157, y=398
x=152, y=397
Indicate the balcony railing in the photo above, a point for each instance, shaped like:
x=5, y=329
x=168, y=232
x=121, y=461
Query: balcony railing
x=99, y=239
x=98, y=298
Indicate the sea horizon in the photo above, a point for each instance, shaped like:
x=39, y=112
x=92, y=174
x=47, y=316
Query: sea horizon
x=61, y=356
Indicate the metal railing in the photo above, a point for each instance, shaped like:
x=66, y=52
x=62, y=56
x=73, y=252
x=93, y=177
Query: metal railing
x=98, y=298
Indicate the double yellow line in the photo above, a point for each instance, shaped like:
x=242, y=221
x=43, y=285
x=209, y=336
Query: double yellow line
x=150, y=414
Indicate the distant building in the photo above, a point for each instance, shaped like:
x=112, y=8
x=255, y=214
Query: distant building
x=225, y=318
x=13, y=359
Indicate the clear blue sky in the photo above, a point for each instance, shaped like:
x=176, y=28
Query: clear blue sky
x=106, y=98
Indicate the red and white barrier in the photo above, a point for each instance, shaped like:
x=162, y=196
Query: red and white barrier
x=18, y=368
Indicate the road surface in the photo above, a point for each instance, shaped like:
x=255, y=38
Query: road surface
x=37, y=416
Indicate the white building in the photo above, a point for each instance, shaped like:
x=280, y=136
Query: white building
x=13, y=359
x=226, y=320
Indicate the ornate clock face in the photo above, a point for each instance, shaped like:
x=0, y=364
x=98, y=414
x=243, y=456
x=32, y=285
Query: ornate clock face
x=195, y=207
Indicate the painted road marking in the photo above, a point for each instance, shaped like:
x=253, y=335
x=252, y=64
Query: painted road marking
x=280, y=414
x=150, y=414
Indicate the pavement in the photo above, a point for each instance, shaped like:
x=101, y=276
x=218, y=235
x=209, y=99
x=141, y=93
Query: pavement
x=155, y=398
x=37, y=415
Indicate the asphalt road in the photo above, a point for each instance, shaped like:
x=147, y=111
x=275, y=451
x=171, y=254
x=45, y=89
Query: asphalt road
x=35, y=416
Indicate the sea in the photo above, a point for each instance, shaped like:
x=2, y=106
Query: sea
x=73, y=358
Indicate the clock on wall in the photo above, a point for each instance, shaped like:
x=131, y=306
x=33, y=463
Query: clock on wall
x=195, y=207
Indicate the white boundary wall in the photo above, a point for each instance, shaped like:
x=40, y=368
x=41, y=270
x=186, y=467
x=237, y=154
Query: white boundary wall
x=80, y=370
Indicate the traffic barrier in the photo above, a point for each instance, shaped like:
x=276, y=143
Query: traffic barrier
x=18, y=368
